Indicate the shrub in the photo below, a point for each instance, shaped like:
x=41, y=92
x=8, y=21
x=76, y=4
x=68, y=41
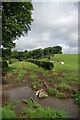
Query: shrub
x=60, y=95
x=10, y=62
x=21, y=74
x=35, y=84
x=64, y=86
x=48, y=57
x=47, y=112
x=33, y=104
x=77, y=98
x=4, y=64
x=33, y=75
x=13, y=61
x=52, y=91
x=7, y=113
x=46, y=65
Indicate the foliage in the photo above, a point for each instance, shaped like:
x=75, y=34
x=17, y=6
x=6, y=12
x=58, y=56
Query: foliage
x=16, y=21
x=33, y=75
x=13, y=61
x=52, y=91
x=64, y=86
x=33, y=104
x=37, y=53
x=46, y=65
x=60, y=95
x=46, y=113
x=4, y=64
x=77, y=98
x=8, y=113
x=35, y=84
x=6, y=54
x=21, y=74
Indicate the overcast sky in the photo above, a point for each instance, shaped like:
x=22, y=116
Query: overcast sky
x=55, y=23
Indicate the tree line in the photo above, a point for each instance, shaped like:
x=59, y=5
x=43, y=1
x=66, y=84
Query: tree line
x=34, y=54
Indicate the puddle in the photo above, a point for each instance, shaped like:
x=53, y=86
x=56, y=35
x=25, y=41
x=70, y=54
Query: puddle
x=64, y=104
x=25, y=92
x=17, y=94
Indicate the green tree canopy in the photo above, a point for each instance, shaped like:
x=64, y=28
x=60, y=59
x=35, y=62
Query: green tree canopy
x=16, y=20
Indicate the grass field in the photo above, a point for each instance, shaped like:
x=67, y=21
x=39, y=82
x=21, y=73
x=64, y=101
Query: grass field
x=62, y=80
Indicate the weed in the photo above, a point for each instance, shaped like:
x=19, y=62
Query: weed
x=77, y=98
x=50, y=80
x=60, y=95
x=15, y=70
x=47, y=113
x=34, y=105
x=64, y=86
x=52, y=91
x=33, y=75
x=60, y=79
x=35, y=84
x=21, y=74
x=8, y=113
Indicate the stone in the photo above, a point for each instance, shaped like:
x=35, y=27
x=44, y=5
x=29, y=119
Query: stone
x=35, y=88
x=24, y=80
x=41, y=93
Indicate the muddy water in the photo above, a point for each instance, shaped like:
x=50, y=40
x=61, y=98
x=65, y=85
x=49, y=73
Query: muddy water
x=53, y=102
x=17, y=94
x=64, y=104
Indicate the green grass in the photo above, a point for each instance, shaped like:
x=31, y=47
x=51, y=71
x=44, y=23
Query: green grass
x=35, y=84
x=7, y=112
x=21, y=73
x=69, y=69
x=60, y=95
x=15, y=70
x=64, y=86
x=77, y=98
x=33, y=75
x=33, y=104
x=52, y=91
x=40, y=112
x=47, y=112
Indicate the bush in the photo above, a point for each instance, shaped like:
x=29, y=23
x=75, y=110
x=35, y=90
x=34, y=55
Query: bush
x=64, y=86
x=33, y=75
x=47, y=112
x=13, y=61
x=7, y=113
x=77, y=98
x=52, y=91
x=10, y=62
x=35, y=84
x=60, y=95
x=4, y=64
x=46, y=65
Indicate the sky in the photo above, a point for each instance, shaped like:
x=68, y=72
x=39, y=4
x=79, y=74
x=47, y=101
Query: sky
x=55, y=24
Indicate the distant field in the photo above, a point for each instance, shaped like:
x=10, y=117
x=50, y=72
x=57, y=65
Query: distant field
x=69, y=69
x=69, y=59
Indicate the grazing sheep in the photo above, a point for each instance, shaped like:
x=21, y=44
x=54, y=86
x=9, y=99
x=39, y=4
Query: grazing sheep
x=62, y=63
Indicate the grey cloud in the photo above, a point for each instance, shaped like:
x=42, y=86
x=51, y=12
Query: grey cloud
x=54, y=24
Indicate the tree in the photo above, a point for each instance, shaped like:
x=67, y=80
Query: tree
x=37, y=53
x=16, y=20
x=46, y=51
x=57, y=50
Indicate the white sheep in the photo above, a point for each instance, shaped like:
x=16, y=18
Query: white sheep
x=62, y=63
